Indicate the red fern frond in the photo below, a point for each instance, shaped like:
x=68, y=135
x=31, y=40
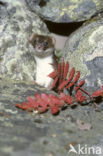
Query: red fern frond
x=76, y=77
x=42, y=102
x=66, y=69
x=54, y=82
x=72, y=72
x=70, y=85
x=68, y=99
x=74, y=80
x=64, y=83
x=81, y=83
x=61, y=72
x=98, y=93
x=79, y=97
x=53, y=74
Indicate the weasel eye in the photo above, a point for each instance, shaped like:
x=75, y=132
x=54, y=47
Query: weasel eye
x=45, y=43
x=35, y=41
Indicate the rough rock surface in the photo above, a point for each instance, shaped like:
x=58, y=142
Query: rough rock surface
x=29, y=134
x=64, y=11
x=84, y=50
x=17, y=24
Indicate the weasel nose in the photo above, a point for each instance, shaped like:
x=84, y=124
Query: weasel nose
x=39, y=46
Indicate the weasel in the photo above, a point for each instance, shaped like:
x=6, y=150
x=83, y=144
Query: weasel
x=44, y=47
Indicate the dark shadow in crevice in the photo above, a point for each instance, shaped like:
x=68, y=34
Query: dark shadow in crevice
x=2, y=3
x=64, y=29
x=42, y=3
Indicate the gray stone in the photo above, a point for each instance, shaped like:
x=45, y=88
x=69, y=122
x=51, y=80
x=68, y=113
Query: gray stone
x=17, y=24
x=65, y=11
x=29, y=134
x=84, y=51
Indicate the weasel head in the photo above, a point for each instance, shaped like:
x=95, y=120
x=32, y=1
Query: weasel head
x=43, y=45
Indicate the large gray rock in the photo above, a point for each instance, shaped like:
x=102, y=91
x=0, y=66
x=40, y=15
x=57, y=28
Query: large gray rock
x=84, y=51
x=65, y=11
x=28, y=134
x=17, y=24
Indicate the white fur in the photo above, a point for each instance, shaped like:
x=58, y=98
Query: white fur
x=43, y=70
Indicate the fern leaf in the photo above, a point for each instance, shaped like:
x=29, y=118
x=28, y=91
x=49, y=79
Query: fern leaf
x=54, y=82
x=61, y=72
x=53, y=74
x=79, y=97
x=68, y=99
x=76, y=77
x=64, y=83
x=74, y=80
x=32, y=102
x=66, y=69
x=98, y=93
x=72, y=72
x=70, y=85
x=80, y=85
x=54, y=109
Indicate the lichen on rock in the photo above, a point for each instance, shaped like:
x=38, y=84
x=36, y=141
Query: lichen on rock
x=66, y=11
x=16, y=58
x=84, y=50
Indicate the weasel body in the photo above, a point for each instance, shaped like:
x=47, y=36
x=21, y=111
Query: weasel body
x=44, y=68
x=44, y=57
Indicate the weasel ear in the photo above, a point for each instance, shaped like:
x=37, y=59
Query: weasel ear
x=33, y=36
x=54, y=40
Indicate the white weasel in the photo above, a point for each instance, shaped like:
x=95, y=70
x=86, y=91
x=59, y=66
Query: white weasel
x=43, y=70
x=44, y=57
